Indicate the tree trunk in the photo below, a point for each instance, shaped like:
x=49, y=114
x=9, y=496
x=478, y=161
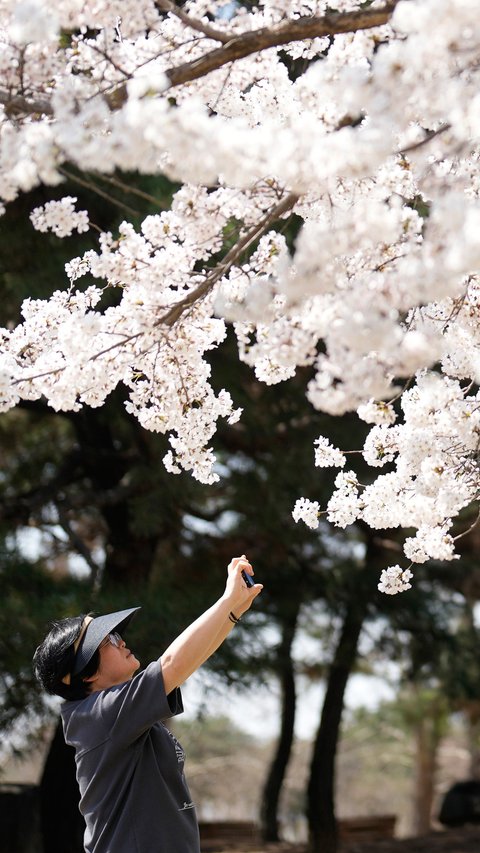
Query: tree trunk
x=473, y=735
x=278, y=767
x=322, y=825
x=428, y=734
x=359, y=588
x=424, y=767
x=62, y=825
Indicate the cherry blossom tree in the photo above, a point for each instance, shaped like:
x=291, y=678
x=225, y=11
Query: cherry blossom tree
x=362, y=120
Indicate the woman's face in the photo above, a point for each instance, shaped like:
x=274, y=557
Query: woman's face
x=117, y=664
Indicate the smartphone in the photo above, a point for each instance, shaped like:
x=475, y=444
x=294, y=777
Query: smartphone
x=247, y=578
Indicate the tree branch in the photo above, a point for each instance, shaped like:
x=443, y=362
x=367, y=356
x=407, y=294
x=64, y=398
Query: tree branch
x=128, y=189
x=19, y=104
x=234, y=47
x=90, y=185
x=429, y=135
x=174, y=313
x=299, y=29
x=193, y=23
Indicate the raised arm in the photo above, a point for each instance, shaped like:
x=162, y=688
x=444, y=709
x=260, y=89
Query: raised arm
x=203, y=637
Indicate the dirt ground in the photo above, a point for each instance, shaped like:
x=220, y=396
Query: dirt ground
x=451, y=841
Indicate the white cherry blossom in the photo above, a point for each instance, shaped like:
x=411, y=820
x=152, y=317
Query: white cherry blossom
x=308, y=511
x=327, y=455
x=373, y=149
x=395, y=579
x=60, y=217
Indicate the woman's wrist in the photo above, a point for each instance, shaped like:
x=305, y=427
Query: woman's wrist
x=232, y=605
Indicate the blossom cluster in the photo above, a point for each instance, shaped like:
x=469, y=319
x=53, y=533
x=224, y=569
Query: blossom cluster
x=308, y=511
x=60, y=217
x=395, y=579
x=374, y=147
x=73, y=353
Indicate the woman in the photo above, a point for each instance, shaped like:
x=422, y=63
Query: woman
x=134, y=797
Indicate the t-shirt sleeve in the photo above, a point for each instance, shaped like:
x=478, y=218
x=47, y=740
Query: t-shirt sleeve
x=130, y=709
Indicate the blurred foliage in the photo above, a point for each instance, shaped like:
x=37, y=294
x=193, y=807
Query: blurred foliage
x=29, y=601
x=207, y=737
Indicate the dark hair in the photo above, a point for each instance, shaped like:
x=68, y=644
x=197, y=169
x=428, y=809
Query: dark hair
x=55, y=657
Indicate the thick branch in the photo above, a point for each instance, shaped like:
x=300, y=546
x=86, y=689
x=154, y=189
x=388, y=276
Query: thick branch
x=234, y=47
x=300, y=29
x=18, y=104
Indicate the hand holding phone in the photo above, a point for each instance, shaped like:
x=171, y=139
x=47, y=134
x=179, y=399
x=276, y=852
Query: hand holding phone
x=247, y=578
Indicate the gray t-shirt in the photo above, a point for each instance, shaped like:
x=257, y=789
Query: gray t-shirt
x=134, y=797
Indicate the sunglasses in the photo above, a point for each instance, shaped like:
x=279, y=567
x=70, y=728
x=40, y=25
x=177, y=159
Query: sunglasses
x=114, y=639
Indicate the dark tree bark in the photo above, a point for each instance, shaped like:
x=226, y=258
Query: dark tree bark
x=276, y=774
x=62, y=825
x=322, y=824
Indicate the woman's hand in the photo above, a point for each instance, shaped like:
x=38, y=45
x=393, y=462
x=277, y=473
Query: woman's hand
x=197, y=642
x=237, y=593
